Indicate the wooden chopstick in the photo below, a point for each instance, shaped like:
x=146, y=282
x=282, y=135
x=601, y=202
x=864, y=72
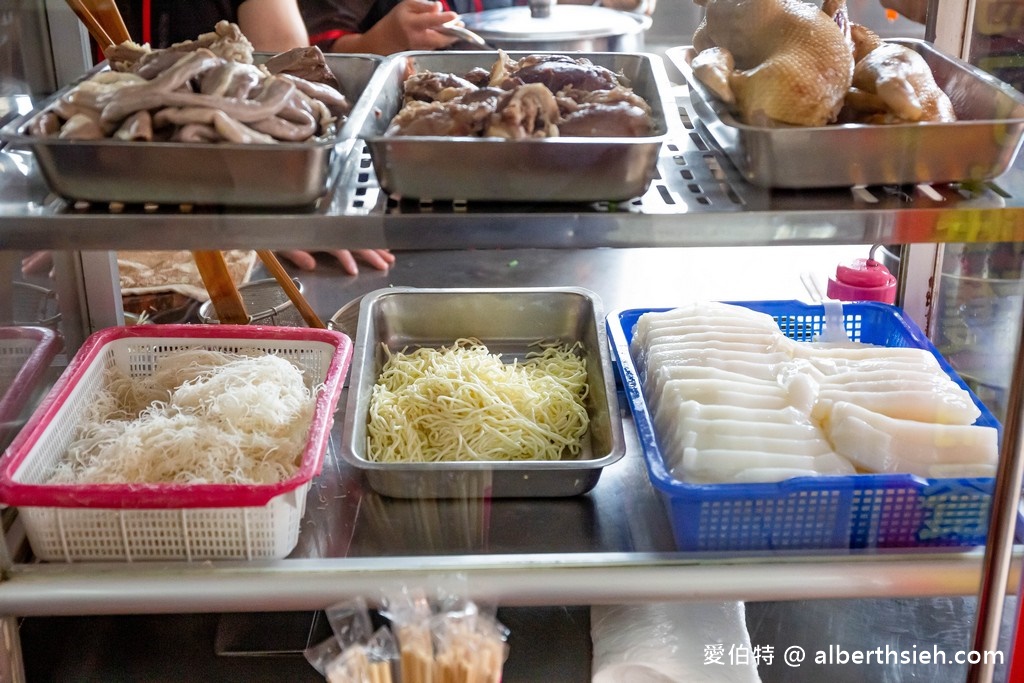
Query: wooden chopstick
x=221, y=288
x=110, y=19
x=284, y=279
x=92, y=24
x=103, y=20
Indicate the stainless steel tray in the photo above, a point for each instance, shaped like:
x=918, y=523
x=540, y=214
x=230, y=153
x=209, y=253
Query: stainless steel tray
x=981, y=145
x=507, y=321
x=553, y=169
x=283, y=174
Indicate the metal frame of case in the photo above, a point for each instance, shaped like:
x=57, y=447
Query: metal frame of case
x=698, y=200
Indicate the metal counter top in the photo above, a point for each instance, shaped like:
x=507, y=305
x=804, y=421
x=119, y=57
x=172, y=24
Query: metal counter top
x=611, y=545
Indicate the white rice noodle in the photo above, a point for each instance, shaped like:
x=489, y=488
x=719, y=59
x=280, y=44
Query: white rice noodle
x=201, y=417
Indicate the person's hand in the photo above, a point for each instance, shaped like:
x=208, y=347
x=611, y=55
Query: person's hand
x=37, y=263
x=409, y=26
x=381, y=259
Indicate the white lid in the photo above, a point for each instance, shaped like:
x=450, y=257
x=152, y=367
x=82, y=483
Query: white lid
x=566, y=22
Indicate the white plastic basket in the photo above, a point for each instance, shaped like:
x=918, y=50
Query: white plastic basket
x=166, y=521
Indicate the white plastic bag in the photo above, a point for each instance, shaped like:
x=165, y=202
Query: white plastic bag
x=678, y=642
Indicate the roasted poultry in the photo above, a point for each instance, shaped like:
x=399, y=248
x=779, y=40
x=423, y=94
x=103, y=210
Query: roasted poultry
x=775, y=61
x=892, y=84
x=786, y=61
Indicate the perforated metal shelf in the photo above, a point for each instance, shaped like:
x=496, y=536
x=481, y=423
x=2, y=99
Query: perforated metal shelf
x=696, y=199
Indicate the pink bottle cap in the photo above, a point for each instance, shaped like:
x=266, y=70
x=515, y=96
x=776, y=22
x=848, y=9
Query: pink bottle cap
x=862, y=279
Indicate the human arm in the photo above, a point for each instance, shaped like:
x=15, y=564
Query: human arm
x=272, y=25
x=409, y=26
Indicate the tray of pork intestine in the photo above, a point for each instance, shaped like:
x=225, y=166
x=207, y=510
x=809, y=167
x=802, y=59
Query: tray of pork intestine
x=895, y=111
x=207, y=121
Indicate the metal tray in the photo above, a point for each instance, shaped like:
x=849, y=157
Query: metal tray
x=283, y=174
x=489, y=169
x=507, y=321
x=980, y=146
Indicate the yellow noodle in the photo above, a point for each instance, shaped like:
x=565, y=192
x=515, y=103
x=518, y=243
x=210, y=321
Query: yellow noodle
x=462, y=403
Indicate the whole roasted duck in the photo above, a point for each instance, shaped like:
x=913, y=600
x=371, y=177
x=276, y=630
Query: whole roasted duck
x=791, y=62
x=774, y=60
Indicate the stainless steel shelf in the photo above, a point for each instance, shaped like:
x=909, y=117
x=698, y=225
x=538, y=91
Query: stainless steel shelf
x=610, y=546
x=698, y=199
x=602, y=552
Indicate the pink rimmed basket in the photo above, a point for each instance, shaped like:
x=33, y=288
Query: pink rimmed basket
x=67, y=522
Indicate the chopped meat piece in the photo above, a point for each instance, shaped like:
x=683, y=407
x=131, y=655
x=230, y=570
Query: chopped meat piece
x=558, y=72
x=529, y=112
x=428, y=86
x=618, y=120
x=307, y=63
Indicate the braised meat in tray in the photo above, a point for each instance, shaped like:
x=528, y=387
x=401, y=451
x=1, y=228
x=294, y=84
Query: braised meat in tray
x=537, y=96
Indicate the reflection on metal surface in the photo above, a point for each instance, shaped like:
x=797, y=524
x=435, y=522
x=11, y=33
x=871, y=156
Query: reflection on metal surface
x=12, y=668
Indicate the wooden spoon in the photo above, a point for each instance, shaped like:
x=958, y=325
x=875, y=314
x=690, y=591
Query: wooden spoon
x=221, y=288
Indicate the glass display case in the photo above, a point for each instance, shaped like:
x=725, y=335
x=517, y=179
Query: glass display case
x=699, y=231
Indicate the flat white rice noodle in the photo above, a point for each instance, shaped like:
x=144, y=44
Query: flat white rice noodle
x=720, y=465
x=770, y=475
x=720, y=391
x=759, y=339
x=711, y=326
x=910, y=377
x=723, y=348
x=722, y=381
x=666, y=411
x=758, y=365
x=702, y=313
x=878, y=443
x=672, y=413
x=918, y=405
x=704, y=440
x=656, y=377
x=753, y=428
x=864, y=352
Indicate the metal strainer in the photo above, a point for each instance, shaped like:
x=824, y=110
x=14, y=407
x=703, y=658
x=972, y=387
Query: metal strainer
x=266, y=303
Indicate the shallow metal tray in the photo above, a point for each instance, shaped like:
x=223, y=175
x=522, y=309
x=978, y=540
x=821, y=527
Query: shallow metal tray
x=508, y=321
x=981, y=145
x=491, y=169
x=283, y=174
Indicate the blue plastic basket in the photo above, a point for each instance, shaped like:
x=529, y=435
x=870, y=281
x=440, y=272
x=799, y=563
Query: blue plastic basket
x=856, y=511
